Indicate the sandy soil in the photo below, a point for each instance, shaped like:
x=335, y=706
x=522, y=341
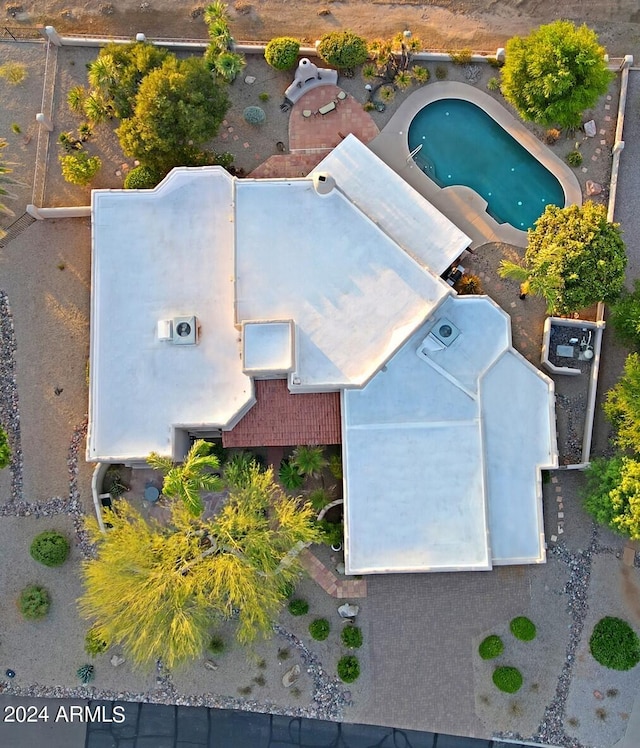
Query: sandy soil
x=481, y=24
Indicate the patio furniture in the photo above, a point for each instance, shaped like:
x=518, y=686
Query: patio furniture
x=342, y=95
x=327, y=107
x=306, y=112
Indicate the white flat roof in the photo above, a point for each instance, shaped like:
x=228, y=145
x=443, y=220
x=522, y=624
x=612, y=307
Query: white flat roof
x=267, y=346
x=159, y=254
x=416, y=225
x=318, y=260
x=437, y=448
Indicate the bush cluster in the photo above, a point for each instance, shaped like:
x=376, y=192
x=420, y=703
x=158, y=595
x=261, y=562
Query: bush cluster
x=507, y=679
x=254, y=115
x=490, y=647
x=319, y=629
x=348, y=668
x=351, y=637
x=282, y=52
x=574, y=158
x=50, y=548
x=34, y=602
x=615, y=644
x=343, y=49
x=142, y=178
x=298, y=607
x=523, y=628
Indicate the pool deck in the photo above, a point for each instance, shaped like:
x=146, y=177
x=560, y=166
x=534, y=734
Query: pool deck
x=460, y=204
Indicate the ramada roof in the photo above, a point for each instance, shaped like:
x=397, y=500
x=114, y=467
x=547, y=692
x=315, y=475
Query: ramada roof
x=303, y=292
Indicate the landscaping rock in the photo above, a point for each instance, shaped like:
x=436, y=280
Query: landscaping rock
x=590, y=129
x=210, y=665
x=116, y=660
x=340, y=568
x=291, y=676
x=250, y=79
x=348, y=611
x=593, y=188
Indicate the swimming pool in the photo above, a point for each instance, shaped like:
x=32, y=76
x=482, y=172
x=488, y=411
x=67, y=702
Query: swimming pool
x=460, y=144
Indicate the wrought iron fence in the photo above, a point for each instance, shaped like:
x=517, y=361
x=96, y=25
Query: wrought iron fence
x=21, y=34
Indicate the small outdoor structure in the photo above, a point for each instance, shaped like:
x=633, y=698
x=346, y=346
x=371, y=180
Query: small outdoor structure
x=309, y=76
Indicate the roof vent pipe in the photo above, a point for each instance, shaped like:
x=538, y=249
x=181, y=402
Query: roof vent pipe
x=323, y=183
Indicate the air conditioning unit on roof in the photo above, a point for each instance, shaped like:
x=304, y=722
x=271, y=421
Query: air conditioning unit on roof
x=185, y=331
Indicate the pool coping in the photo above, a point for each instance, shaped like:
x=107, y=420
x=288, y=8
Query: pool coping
x=462, y=205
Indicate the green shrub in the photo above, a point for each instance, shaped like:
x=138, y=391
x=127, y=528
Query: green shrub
x=254, y=115
x=86, y=673
x=34, y=602
x=142, y=178
x=80, y=168
x=50, y=548
x=523, y=628
x=348, y=668
x=94, y=642
x=319, y=498
x=5, y=449
x=335, y=466
x=441, y=72
x=461, y=56
x=507, y=679
x=332, y=532
x=351, y=637
x=216, y=645
x=264, y=96
x=282, y=52
x=289, y=475
x=493, y=84
x=319, y=629
x=420, y=75
x=343, y=49
x=490, y=647
x=615, y=644
x=298, y=607
x=574, y=158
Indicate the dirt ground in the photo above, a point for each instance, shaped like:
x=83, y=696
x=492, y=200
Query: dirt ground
x=441, y=24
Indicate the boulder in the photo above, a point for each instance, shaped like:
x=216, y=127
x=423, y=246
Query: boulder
x=250, y=79
x=340, y=568
x=210, y=665
x=593, y=188
x=291, y=676
x=116, y=661
x=348, y=611
x=590, y=128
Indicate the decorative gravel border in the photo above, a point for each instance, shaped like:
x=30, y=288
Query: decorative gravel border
x=9, y=411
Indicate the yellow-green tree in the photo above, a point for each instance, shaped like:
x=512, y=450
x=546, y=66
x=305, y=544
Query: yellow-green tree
x=157, y=588
x=622, y=406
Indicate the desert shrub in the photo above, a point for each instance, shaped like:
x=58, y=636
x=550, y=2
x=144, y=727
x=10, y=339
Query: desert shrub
x=469, y=284
x=142, y=178
x=216, y=645
x=493, y=84
x=80, y=168
x=282, y=53
x=86, y=673
x=490, y=647
x=298, y=607
x=94, y=642
x=335, y=466
x=387, y=94
x=441, y=72
x=13, y=72
x=264, y=96
x=461, y=56
x=343, y=49
x=552, y=135
x=319, y=629
x=5, y=449
x=351, y=637
x=574, y=158
x=254, y=115
x=290, y=476
x=368, y=106
x=615, y=644
x=420, y=74
x=50, y=548
x=348, y=668
x=34, y=602
x=319, y=498
x=507, y=679
x=523, y=628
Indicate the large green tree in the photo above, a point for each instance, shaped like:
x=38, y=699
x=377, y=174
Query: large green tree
x=574, y=258
x=622, y=406
x=556, y=72
x=187, y=480
x=343, y=49
x=156, y=589
x=178, y=107
x=612, y=494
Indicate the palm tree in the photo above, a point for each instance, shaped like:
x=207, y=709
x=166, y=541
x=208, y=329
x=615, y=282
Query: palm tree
x=188, y=480
x=220, y=35
x=216, y=11
x=228, y=65
x=96, y=108
x=103, y=73
x=544, y=284
x=75, y=99
x=309, y=460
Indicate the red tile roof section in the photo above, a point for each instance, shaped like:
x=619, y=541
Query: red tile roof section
x=281, y=419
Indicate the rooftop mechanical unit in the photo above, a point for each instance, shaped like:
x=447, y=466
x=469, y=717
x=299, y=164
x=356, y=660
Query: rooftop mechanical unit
x=445, y=331
x=179, y=330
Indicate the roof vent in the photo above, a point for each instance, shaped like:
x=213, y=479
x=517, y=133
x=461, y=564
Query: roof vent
x=445, y=331
x=165, y=329
x=184, y=331
x=323, y=183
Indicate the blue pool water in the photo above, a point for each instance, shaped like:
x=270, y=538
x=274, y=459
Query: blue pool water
x=462, y=144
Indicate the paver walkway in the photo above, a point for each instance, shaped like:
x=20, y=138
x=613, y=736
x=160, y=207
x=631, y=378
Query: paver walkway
x=324, y=132
x=288, y=166
x=330, y=583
